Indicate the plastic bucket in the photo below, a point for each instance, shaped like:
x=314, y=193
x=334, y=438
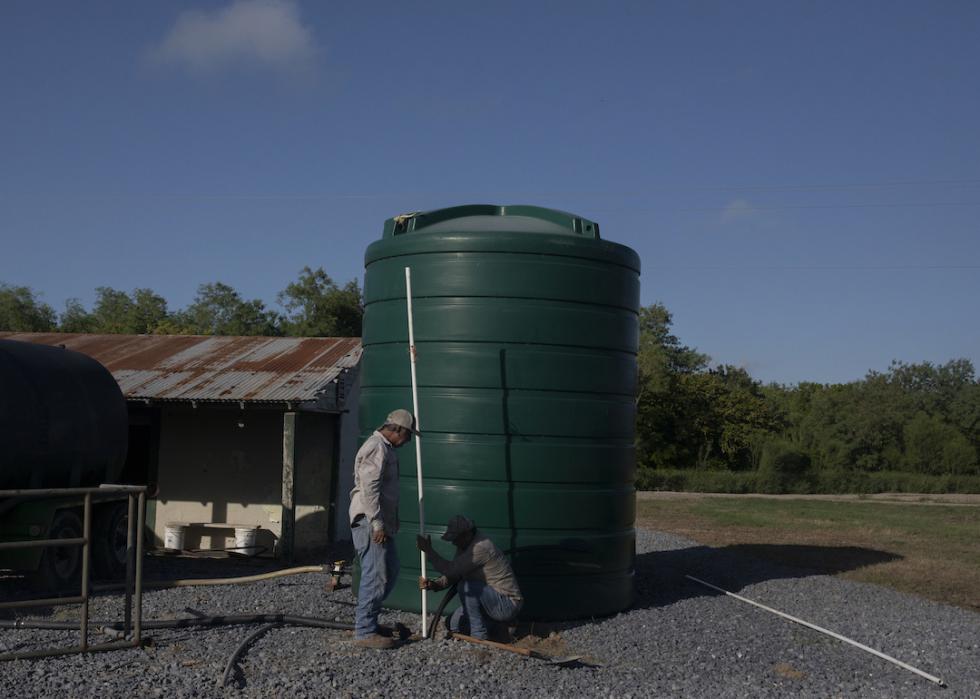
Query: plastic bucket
x=173, y=537
x=245, y=540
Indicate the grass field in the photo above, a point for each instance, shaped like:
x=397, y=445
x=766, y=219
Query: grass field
x=928, y=549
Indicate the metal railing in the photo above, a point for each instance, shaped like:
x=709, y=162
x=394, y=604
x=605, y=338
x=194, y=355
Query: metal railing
x=132, y=624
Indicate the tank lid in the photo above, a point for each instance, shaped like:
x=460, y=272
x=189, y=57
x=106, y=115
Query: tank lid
x=490, y=217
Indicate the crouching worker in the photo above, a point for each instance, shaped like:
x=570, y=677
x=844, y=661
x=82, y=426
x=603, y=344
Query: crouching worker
x=488, y=590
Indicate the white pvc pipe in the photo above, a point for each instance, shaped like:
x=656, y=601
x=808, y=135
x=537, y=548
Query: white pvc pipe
x=845, y=639
x=418, y=445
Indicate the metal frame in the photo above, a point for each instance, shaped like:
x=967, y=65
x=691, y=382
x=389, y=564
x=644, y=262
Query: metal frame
x=136, y=497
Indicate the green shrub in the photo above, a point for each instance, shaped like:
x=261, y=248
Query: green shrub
x=934, y=446
x=959, y=456
x=697, y=481
x=783, y=468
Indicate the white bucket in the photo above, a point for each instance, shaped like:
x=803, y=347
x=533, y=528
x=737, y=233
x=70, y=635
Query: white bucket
x=173, y=537
x=245, y=540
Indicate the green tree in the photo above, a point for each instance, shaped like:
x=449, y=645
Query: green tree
x=950, y=391
x=75, y=319
x=218, y=309
x=661, y=355
x=149, y=311
x=782, y=467
x=112, y=310
x=663, y=415
x=934, y=446
x=317, y=307
x=728, y=416
x=932, y=388
x=22, y=311
x=964, y=413
x=920, y=417
x=855, y=426
x=689, y=416
x=141, y=312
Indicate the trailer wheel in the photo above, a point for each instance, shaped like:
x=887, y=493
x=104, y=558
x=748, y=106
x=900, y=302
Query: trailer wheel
x=61, y=566
x=109, y=532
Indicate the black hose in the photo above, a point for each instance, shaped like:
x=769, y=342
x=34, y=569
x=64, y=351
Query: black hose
x=230, y=667
x=228, y=620
x=450, y=593
x=30, y=624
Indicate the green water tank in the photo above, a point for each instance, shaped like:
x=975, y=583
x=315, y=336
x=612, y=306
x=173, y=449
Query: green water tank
x=526, y=334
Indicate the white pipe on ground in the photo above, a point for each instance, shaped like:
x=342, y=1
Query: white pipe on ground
x=845, y=639
x=418, y=444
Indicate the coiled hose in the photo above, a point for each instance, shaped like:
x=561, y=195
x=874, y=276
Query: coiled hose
x=195, y=582
x=450, y=593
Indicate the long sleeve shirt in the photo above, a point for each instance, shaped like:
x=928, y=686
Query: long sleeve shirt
x=481, y=560
x=375, y=493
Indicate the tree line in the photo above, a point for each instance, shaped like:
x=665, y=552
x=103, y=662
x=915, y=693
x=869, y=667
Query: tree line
x=698, y=426
x=312, y=306
x=717, y=426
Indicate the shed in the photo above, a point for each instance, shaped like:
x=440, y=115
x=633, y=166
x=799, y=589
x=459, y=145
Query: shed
x=248, y=431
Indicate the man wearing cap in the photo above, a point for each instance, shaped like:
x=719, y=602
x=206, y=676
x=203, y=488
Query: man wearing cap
x=487, y=586
x=374, y=522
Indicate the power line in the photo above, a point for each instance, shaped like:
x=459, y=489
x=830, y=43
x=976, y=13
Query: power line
x=734, y=210
x=816, y=268
x=750, y=208
x=288, y=196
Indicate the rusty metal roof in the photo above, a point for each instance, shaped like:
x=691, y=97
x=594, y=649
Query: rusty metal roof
x=211, y=368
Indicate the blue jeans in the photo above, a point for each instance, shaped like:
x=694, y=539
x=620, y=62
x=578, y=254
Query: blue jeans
x=476, y=599
x=379, y=573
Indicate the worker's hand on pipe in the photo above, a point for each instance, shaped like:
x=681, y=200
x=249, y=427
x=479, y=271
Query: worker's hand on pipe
x=426, y=584
x=424, y=543
x=379, y=536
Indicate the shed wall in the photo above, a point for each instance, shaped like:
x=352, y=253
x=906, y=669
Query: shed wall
x=212, y=470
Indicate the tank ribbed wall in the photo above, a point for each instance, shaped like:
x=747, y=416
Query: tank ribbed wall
x=526, y=332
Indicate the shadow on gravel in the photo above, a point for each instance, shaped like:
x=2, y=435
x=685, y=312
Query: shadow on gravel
x=660, y=575
x=660, y=579
x=21, y=587
x=15, y=587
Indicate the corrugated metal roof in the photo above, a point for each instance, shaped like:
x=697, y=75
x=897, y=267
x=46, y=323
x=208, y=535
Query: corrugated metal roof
x=208, y=368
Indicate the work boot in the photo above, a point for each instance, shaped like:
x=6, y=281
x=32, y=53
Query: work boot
x=498, y=631
x=399, y=631
x=375, y=640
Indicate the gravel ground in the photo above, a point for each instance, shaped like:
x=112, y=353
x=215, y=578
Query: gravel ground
x=680, y=639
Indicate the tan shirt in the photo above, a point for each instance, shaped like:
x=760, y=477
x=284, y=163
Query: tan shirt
x=375, y=493
x=483, y=561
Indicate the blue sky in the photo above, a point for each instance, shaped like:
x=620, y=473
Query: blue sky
x=801, y=179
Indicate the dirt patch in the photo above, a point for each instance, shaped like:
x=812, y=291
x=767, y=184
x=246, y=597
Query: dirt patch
x=552, y=644
x=788, y=671
x=480, y=655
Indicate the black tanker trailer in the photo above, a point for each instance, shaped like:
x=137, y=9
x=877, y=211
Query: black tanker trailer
x=63, y=424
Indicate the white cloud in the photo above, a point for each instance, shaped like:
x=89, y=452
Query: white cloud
x=736, y=210
x=265, y=33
